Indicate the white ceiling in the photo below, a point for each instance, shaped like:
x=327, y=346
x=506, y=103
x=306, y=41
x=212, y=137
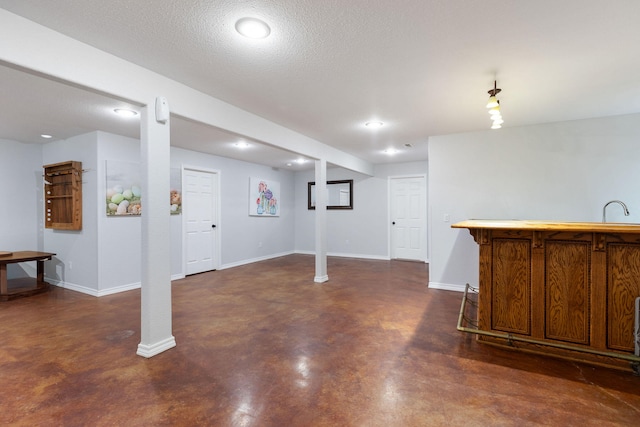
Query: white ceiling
x=423, y=67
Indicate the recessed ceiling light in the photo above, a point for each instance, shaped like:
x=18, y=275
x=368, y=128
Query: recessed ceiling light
x=45, y=136
x=289, y=164
x=253, y=28
x=242, y=145
x=374, y=124
x=300, y=161
x=390, y=151
x=125, y=112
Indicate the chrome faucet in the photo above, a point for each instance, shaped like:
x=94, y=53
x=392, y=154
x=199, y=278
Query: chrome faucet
x=604, y=209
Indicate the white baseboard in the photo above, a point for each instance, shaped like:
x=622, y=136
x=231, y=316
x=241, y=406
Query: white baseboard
x=103, y=292
x=360, y=256
x=118, y=289
x=447, y=286
x=73, y=287
x=348, y=255
x=150, y=350
x=304, y=252
x=252, y=260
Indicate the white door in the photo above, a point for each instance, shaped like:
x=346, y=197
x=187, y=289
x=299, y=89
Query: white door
x=200, y=211
x=409, y=218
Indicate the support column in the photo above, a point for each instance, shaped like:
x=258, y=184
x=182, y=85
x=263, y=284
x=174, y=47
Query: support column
x=156, y=333
x=321, y=222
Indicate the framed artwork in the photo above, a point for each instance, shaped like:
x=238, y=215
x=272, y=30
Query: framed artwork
x=123, y=192
x=176, y=192
x=264, y=197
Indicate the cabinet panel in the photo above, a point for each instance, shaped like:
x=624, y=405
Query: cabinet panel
x=567, y=278
x=511, y=286
x=623, y=287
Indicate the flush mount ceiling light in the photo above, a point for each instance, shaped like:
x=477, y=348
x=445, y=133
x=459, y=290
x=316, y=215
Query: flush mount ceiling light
x=46, y=136
x=493, y=106
x=242, y=144
x=374, y=124
x=390, y=151
x=253, y=28
x=300, y=161
x=123, y=112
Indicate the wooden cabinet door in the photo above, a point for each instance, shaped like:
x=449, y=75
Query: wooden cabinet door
x=623, y=287
x=567, y=291
x=511, y=286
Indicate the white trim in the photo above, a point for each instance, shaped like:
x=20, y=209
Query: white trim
x=304, y=252
x=103, y=292
x=157, y=348
x=217, y=256
x=362, y=256
x=118, y=289
x=446, y=286
x=252, y=260
x=93, y=292
x=74, y=287
x=348, y=255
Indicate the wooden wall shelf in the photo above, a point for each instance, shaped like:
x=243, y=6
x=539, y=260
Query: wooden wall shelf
x=63, y=196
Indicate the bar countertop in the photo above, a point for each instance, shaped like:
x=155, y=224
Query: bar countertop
x=512, y=224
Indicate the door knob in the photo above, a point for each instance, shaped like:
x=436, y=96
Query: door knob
x=393, y=223
x=213, y=226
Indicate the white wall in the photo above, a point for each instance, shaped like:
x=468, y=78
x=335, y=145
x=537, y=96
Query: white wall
x=240, y=233
x=104, y=257
x=119, y=237
x=362, y=232
x=76, y=262
x=21, y=196
x=562, y=171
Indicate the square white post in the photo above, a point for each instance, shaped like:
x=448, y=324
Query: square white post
x=321, y=221
x=156, y=333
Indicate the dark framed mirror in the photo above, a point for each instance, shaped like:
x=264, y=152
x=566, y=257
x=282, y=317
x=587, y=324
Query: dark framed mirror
x=339, y=194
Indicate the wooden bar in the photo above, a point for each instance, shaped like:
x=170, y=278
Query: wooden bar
x=570, y=285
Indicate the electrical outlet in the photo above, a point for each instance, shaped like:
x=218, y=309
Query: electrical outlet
x=446, y=218
x=259, y=244
x=70, y=265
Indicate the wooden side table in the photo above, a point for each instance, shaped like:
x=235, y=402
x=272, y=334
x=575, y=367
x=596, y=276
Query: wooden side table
x=22, y=287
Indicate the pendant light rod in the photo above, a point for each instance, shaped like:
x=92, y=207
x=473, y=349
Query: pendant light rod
x=495, y=90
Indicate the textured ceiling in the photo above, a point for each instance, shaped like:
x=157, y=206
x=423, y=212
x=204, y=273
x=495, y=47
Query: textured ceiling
x=423, y=67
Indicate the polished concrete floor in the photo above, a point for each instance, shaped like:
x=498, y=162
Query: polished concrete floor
x=262, y=345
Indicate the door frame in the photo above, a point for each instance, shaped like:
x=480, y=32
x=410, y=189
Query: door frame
x=426, y=212
x=217, y=245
